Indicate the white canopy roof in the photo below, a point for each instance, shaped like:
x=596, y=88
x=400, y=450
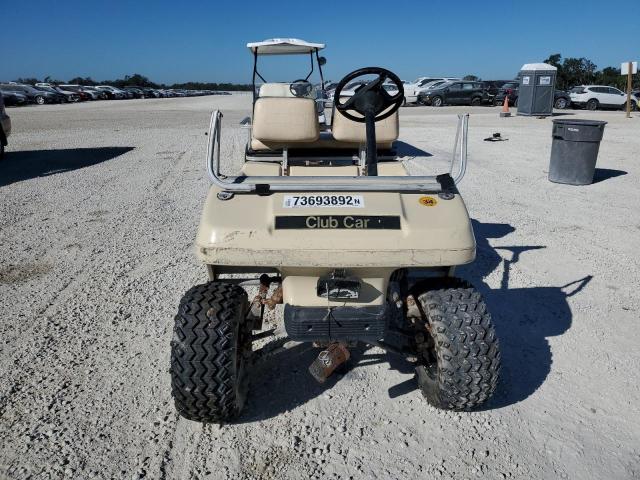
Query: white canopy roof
x=537, y=66
x=283, y=46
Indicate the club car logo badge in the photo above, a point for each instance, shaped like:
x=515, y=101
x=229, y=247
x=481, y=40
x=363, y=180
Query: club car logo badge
x=428, y=201
x=338, y=222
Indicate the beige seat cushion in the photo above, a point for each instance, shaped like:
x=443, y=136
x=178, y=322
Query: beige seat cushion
x=346, y=130
x=261, y=169
x=325, y=140
x=288, y=120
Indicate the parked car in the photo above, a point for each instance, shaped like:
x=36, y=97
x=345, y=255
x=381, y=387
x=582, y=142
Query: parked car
x=509, y=90
x=492, y=87
x=593, y=97
x=13, y=99
x=68, y=96
x=413, y=89
x=136, y=92
x=454, y=93
x=86, y=93
x=111, y=92
x=561, y=99
x=33, y=94
x=100, y=93
x=150, y=93
x=5, y=127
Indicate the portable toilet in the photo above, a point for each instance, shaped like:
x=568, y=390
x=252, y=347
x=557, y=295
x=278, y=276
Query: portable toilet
x=537, y=84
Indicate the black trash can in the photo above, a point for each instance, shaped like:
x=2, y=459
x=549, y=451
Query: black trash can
x=574, y=150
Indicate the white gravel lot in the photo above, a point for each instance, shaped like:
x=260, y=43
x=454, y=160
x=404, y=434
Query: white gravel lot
x=99, y=205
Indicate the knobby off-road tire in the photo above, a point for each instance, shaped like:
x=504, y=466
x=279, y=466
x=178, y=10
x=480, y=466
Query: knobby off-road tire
x=210, y=353
x=460, y=370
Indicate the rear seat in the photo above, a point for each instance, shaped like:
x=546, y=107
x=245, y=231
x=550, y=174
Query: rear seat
x=285, y=121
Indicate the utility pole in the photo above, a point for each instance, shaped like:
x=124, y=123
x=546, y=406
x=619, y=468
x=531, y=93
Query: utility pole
x=629, y=78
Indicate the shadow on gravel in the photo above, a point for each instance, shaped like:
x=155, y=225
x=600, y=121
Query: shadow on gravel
x=603, y=174
x=524, y=317
x=281, y=382
x=405, y=149
x=19, y=166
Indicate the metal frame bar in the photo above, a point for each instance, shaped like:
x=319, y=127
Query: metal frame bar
x=256, y=73
x=261, y=184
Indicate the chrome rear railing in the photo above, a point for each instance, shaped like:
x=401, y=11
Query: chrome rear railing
x=264, y=184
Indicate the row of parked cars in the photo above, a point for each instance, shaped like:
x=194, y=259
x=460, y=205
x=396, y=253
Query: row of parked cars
x=16, y=94
x=454, y=91
x=5, y=127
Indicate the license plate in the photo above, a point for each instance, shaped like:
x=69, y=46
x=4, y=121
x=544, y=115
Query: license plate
x=323, y=201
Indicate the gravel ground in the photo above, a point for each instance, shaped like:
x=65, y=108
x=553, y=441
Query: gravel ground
x=99, y=207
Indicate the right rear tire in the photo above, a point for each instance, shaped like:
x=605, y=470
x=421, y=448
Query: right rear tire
x=210, y=350
x=458, y=369
x=40, y=100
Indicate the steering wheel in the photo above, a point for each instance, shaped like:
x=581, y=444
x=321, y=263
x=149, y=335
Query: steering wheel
x=300, y=88
x=370, y=98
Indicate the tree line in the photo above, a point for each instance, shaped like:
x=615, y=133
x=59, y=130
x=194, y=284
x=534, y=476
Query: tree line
x=582, y=71
x=137, y=80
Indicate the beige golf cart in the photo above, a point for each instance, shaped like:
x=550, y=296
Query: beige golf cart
x=326, y=220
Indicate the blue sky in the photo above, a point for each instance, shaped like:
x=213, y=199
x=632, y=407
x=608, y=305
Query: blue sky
x=205, y=40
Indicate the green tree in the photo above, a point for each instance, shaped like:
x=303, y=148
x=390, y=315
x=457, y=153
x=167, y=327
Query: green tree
x=82, y=81
x=471, y=78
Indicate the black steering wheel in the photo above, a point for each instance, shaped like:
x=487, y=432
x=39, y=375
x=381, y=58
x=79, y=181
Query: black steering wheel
x=370, y=98
x=300, y=88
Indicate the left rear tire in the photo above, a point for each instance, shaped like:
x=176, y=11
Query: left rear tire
x=210, y=351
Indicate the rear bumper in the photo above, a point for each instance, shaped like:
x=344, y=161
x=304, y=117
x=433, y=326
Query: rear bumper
x=311, y=324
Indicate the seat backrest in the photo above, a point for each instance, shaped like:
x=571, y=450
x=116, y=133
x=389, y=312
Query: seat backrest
x=345, y=130
x=279, y=90
x=288, y=120
x=275, y=90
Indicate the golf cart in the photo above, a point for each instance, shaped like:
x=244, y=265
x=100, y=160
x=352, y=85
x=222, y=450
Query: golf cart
x=325, y=220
